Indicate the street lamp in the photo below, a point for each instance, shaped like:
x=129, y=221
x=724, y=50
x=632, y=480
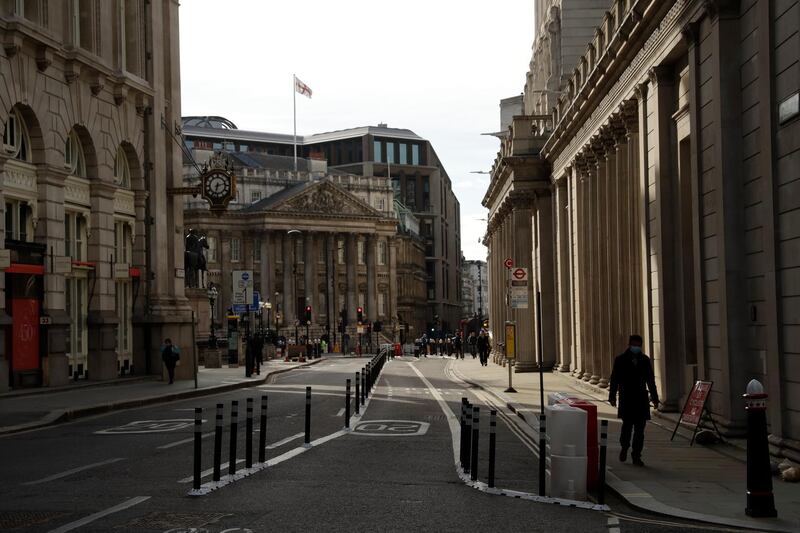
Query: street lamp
x=277, y=295
x=212, y=298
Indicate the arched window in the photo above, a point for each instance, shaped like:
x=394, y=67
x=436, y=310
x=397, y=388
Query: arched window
x=122, y=172
x=16, y=142
x=74, y=159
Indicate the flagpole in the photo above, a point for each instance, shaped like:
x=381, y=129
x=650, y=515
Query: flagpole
x=294, y=112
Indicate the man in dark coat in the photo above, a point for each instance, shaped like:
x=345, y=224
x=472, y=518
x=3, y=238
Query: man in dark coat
x=633, y=377
x=170, y=354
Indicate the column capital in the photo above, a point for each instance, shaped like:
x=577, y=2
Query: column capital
x=660, y=75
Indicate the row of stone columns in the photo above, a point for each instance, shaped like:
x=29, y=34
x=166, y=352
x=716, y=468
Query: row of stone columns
x=598, y=264
x=281, y=245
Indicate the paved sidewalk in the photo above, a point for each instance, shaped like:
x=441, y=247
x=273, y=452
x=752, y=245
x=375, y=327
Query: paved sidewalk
x=698, y=483
x=41, y=407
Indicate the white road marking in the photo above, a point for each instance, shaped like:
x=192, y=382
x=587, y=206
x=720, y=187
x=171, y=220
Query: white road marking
x=96, y=516
x=74, y=471
x=223, y=466
x=340, y=413
x=179, y=442
x=284, y=441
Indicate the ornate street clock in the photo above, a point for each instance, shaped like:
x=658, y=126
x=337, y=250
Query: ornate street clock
x=218, y=184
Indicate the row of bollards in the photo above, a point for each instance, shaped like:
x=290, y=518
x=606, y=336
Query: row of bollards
x=364, y=382
x=469, y=441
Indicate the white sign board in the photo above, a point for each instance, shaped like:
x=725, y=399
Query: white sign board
x=519, y=297
x=242, y=287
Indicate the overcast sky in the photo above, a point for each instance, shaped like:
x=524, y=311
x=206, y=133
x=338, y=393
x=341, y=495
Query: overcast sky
x=437, y=67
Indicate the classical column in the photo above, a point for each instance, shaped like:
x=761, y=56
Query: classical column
x=310, y=274
x=544, y=247
x=667, y=329
x=266, y=267
x=624, y=264
x=520, y=223
x=352, y=286
x=596, y=272
x=635, y=200
x=372, y=278
x=331, y=312
x=563, y=274
x=611, y=215
x=289, y=266
x=392, y=247
x=574, y=269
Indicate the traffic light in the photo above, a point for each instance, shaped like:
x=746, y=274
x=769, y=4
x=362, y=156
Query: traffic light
x=360, y=314
x=307, y=315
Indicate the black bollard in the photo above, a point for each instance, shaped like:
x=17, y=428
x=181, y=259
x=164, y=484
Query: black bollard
x=198, y=442
x=347, y=405
x=234, y=429
x=468, y=438
x=262, y=431
x=476, y=415
x=218, y=443
x=462, y=447
x=248, y=443
x=369, y=379
x=601, y=475
x=363, y=387
x=358, y=401
x=492, y=444
x=760, y=500
x=308, y=417
x=542, y=453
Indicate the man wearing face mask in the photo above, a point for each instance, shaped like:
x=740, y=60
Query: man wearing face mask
x=633, y=377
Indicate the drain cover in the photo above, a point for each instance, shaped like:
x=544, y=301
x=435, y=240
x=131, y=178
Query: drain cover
x=15, y=519
x=162, y=520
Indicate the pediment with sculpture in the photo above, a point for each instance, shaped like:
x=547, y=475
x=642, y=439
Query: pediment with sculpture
x=327, y=199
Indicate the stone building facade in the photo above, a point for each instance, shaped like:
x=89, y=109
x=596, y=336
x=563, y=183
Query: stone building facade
x=89, y=253
x=476, y=288
x=418, y=180
x=665, y=203
x=330, y=240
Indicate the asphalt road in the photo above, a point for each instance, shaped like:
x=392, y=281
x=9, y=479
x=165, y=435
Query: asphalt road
x=131, y=470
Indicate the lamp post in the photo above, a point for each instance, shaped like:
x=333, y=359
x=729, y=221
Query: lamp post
x=212, y=298
x=277, y=295
x=268, y=307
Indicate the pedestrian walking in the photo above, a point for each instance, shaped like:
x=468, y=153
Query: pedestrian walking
x=258, y=351
x=170, y=354
x=472, y=341
x=483, y=348
x=632, y=376
x=458, y=346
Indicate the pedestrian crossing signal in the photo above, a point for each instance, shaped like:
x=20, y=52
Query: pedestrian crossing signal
x=307, y=316
x=360, y=314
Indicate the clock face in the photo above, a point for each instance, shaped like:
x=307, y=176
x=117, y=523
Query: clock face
x=217, y=186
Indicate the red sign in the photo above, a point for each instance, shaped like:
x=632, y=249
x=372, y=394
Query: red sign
x=508, y=262
x=25, y=334
x=693, y=409
x=520, y=274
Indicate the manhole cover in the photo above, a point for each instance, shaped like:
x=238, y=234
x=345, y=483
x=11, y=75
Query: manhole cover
x=15, y=519
x=162, y=520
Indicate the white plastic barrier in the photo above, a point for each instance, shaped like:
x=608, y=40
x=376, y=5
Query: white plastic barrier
x=554, y=397
x=566, y=452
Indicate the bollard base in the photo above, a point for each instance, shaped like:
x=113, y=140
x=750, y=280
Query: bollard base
x=306, y=445
x=760, y=505
x=510, y=389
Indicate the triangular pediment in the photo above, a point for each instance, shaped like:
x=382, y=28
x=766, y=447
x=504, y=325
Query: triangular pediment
x=325, y=198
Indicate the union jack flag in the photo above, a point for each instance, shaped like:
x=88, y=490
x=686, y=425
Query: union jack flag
x=301, y=87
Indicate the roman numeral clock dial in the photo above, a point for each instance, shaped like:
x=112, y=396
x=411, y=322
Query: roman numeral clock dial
x=218, y=188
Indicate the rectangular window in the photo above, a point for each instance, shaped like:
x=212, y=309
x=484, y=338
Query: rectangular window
x=426, y=193
x=122, y=242
x=381, y=253
x=236, y=250
x=123, y=301
x=229, y=147
x=361, y=253
x=257, y=250
x=74, y=236
x=377, y=156
x=255, y=196
x=390, y=152
x=242, y=147
x=415, y=154
x=381, y=304
x=17, y=220
x=321, y=253
x=361, y=300
x=211, y=253
x=340, y=251
x=217, y=146
x=411, y=193
x=396, y=188
x=403, y=154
